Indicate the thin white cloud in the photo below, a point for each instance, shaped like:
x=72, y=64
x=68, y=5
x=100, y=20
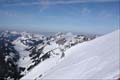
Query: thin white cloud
x=44, y=4
x=85, y=11
x=104, y=14
x=13, y=14
x=55, y=2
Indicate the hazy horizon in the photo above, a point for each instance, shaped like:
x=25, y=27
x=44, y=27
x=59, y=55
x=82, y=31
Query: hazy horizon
x=86, y=16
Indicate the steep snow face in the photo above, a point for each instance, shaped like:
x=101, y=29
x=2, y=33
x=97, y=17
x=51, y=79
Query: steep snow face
x=96, y=59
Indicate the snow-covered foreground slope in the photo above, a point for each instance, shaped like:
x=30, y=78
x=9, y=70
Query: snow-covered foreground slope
x=96, y=59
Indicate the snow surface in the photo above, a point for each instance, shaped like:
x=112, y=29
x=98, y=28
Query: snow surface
x=96, y=59
x=24, y=60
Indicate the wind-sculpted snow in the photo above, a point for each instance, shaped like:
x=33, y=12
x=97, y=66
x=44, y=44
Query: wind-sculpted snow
x=96, y=59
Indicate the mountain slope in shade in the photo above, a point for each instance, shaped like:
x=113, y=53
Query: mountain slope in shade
x=96, y=59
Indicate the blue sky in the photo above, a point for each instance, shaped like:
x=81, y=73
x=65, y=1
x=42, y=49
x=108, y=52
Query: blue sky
x=90, y=16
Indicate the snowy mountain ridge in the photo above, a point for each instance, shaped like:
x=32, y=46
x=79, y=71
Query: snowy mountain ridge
x=96, y=59
x=32, y=49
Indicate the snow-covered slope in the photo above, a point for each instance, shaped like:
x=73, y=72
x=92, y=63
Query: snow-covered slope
x=96, y=59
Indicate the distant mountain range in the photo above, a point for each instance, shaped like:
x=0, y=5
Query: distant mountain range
x=20, y=52
x=97, y=59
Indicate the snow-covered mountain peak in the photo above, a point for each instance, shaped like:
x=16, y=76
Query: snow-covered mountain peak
x=35, y=49
x=95, y=59
x=69, y=34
